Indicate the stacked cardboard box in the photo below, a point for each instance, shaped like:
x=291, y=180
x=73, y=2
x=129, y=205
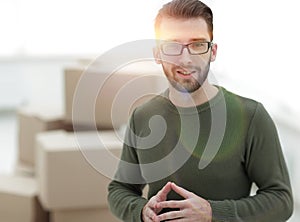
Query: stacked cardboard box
x=18, y=200
x=83, y=215
x=69, y=186
x=56, y=173
x=33, y=120
x=114, y=95
x=66, y=175
x=18, y=191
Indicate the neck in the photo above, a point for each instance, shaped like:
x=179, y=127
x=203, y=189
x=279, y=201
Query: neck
x=200, y=96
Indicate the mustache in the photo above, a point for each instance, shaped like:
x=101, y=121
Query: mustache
x=188, y=68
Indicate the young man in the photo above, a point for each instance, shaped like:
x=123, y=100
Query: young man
x=223, y=143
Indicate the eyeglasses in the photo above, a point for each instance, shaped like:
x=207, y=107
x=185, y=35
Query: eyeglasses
x=194, y=48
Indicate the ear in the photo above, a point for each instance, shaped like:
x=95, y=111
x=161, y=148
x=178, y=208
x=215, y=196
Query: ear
x=156, y=54
x=214, y=48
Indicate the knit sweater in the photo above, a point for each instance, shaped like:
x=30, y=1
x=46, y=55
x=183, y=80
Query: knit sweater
x=216, y=150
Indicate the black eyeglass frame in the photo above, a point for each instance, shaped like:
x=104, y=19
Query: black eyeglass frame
x=183, y=46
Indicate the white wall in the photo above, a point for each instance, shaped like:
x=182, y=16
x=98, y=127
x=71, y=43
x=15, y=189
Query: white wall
x=35, y=81
x=258, y=40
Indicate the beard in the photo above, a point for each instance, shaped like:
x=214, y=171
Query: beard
x=188, y=85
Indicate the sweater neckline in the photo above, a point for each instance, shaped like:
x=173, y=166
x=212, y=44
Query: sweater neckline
x=197, y=109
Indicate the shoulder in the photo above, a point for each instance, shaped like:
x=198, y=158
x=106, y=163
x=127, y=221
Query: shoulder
x=241, y=103
x=241, y=100
x=252, y=111
x=155, y=109
x=154, y=106
x=247, y=111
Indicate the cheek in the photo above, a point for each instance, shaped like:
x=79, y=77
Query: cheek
x=203, y=61
x=170, y=60
x=195, y=61
x=167, y=67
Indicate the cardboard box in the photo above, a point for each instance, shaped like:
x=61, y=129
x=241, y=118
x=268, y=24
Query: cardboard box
x=23, y=169
x=31, y=121
x=18, y=200
x=66, y=178
x=106, y=99
x=83, y=215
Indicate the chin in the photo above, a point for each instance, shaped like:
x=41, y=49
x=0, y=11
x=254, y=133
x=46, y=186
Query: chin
x=185, y=89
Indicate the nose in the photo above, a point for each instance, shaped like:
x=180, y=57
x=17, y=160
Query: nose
x=185, y=58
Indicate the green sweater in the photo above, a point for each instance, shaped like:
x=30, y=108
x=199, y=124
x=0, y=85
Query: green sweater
x=215, y=150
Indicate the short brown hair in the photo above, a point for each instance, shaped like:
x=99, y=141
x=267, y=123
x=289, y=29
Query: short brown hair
x=185, y=9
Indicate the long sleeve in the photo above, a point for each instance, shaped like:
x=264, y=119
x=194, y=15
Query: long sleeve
x=125, y=199
x=265, y=165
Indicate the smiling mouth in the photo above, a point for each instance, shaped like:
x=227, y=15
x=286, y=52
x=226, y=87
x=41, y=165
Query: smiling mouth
x=185, y=73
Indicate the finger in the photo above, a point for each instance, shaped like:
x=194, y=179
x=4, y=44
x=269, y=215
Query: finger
x=150, y=214
x=181, y=191
x=162, y=194
x=181, y=220
x=148, y=219
x=172, y=204
x=152, y=202
x=171, y=215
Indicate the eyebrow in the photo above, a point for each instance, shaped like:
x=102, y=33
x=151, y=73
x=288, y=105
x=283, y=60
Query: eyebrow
x=190, y=40
x=197, y=39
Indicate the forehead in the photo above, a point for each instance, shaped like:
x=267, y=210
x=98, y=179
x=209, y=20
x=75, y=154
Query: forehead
x=183, y=30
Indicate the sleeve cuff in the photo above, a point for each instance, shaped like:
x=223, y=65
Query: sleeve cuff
x=223, y=211
x=138, y=211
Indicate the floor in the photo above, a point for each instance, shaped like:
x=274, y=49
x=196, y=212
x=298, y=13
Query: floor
x=8, y=148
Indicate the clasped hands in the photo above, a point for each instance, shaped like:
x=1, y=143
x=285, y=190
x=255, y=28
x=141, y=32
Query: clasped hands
x=191, y=208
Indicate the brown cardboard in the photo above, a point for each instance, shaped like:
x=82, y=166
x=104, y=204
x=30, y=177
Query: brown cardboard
x=83, y=215
x=122, y=91
x=66, y=179
x=33, y=120
x=18, y=200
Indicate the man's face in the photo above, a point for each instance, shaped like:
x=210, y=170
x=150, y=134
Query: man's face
x=185, y=72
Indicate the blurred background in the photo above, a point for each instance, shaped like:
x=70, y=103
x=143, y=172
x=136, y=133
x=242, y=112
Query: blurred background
x=258, y=46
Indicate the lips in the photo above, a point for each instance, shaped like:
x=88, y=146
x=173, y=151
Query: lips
x=185, y=73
